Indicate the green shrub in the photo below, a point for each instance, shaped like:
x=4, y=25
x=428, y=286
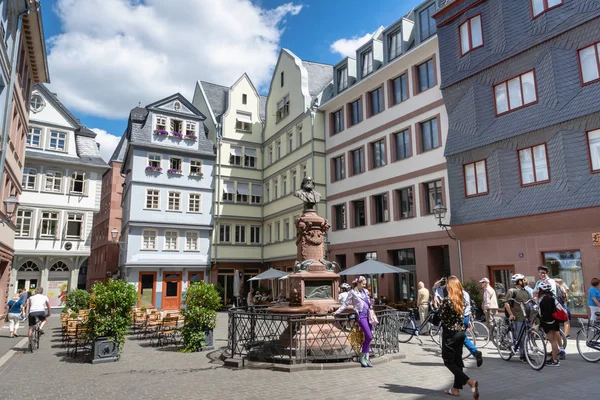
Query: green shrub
x=78, y=299
x=201, y=300
x=474, y=289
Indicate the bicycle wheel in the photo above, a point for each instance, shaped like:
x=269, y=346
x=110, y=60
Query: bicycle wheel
x=535, y=350
x=406, y=331
x=435, y=332
x=37, y=337
x=31, y=345
x=466, y=353
x=504, y=344
x=588, y=344
x=481, y=333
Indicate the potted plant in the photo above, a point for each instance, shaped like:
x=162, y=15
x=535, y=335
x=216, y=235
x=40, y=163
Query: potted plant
x=161, y=132
x=78, y=299
x=201, y=302
x=190, y=136
x=174, y=171
x=178, y=135
x=110, y=318
x=152, y=168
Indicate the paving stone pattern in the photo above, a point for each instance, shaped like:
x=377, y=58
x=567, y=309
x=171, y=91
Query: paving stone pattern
x=146, y=372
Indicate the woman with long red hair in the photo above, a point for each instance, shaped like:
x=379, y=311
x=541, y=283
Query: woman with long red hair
x=453, y=337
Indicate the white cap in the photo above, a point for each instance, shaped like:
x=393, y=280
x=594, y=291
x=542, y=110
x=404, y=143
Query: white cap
x=484, y=280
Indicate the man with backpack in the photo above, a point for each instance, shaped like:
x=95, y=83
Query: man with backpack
x=545, y=278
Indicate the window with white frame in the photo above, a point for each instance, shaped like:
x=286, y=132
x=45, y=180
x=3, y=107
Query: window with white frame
x=175, y=165
x=29, y=177
x=541, y=6
x=74, y=226
x=594, y=145
x=161, y=124
x=57, y=141
x=24, y=221
x=149, y=239
x=195, y=203
x=34, y=137
x=589, y=60
x=49, y=224
x=154, y=160
x=298, y=136
x=294, y=179
x=249, y=157
x=242, y=192
x=235, y=156
x=153, y=199
x=243, y=122
x=224, y=233
x=269, y=233
x=471, y=35
x=191, y=241
x=278, y=231
x=278, y=149
x=53, y=181
x=290, y=136
x=283, y=108
x=275, y=189
x=270, y=154
x=255, y=235
x=171, y=240
x=174, y=203
x=256, y=197
x=190, y=128
x=342, y=78
x=515, y=93
x=367, y=62
x=268, y=192
x=476, y=178
x=286, y=229
x=284, y=188
x=195, y=167
x=78, y=182
x=394, y=44
x=176, y=125
x=240, y=233
x=304, y=171
x=533, y=164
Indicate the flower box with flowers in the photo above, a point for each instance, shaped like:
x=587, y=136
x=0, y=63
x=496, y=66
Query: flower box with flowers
x=127, y=171
x=196, y=174
x=190, y=136
x=152, y=168
x=177, y=134
x=174, y=171
x=161, y=132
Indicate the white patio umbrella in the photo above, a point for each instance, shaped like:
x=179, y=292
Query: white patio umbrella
x=270, y=275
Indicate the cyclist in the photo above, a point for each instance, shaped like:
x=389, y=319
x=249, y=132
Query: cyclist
x=544, y=278
x=514, y=297
x=36, y=309
x=549, y=324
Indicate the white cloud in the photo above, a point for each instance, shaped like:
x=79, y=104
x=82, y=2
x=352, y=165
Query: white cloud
x=112, y=54
x=108, y=142
x=348, y=47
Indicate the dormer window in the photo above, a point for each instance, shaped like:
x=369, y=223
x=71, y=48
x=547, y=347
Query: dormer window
x=161, y=123
x=176, y=126
x=471, y=35
x=395, y=44
x=283, y=108
x=78, y=182
x=342, y=78
x=541, y=6
x=367, y=62
x=190, y=128
x=427, y=23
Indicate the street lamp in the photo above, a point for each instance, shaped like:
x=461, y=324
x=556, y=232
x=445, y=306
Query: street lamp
x=113, y=234
x=11, y=204
x=439, y=211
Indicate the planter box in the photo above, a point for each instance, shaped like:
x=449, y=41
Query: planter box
x=104, y=350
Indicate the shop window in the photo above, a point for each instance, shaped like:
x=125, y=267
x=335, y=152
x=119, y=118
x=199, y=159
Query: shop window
x=567, y=266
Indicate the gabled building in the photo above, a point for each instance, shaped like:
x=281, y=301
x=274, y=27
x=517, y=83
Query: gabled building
x=167, y=201
x=521, y=82
x=61, y=193
x=385, y=128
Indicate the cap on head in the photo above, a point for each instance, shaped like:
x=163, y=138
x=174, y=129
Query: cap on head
x=484, y=280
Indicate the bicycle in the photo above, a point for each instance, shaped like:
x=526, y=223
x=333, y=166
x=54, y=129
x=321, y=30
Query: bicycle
x=408, y=327
x=34, y=339
x=588, y=339
x=478, y=328
x=535, y=345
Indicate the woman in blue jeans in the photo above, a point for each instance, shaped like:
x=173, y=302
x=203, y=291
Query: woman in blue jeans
x=362, y=303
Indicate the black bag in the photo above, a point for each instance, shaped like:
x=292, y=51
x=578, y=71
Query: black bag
x=436, y=316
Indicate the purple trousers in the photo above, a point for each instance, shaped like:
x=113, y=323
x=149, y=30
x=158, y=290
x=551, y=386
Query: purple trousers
x=363, y=323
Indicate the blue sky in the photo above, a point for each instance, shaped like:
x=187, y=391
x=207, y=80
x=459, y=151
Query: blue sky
x=79, y=32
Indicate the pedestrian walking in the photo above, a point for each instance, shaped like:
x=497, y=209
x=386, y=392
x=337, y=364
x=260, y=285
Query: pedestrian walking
x=423, y=303
x=548, y=323
x=14, y=309
x=490, y=302
x=453, y=336
x=594, y=298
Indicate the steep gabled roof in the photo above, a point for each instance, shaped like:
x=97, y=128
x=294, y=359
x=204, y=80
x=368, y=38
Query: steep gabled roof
x=319, y=75
x=119, y=153
x=263, y=107
x=217, y=97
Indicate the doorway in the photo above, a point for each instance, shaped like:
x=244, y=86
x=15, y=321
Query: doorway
x=225, y=280
x=171, y=299
x=500, y=280
x=147, y=289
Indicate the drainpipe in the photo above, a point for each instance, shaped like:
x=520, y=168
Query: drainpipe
x=312, y=139
x=218, y=191
x=262, y=206
x=460, y=260
x=11, y=90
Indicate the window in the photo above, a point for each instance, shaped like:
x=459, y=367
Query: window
x=340, y=216
x=290, y=136
x=270, y=153
x=355, y=112
x=426, y=75
x=175, y=165
x=376, y=100
x=594, y=147
x=405, y=203
x=269, y=234
x=283, y=107
x=228, y=192
x=255, y=234
x=380, y=203
x=49, y=224
x=303, y=168
x=567, y=265
x=429, y=135
x=476, y=178
x=367, y=62
x=24, y=221
x=284, y=188
x=171, y=240
x=360, y=218
x=394, y=44
x=286, y=229
x=154, y=160
x=337, y=121
x=540, y=6
x=278, y=149
x=242, y=192
x=235, y=156
x=378, y=153
x=402, y=143
x=74, y=226
x=244, y=99
x=195, y=203
x=268, y=192
x=342, y=78
x=191, y=241
x=243, y=122
x=294, y=181
x=282, y=80
x=471, y=35
x=533, y=163
x=427, y=23
x=358, y=161
x=29, y=177
x=225, y=233
x=195, y=167
x=161, y=123
x=53, y=181
x=36, y=102
x=176, y=106
x=338, y=169
x=78, y=182
x=589, y=60
x=434, y=195
x=240, y=233
x=190, y=128
x=298, y=136
x=515, y=93
x=275, y=187
x=250, y=158
x=399, y=89
x=176, y=125
x=148, y=239
x=57, y=141
x=278, y=231
x=174, y=203
x=256, y=197
x=34, y=137
x=152, y=199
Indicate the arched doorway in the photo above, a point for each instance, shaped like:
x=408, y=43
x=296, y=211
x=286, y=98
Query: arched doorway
x=28, y=276
x=58, y=284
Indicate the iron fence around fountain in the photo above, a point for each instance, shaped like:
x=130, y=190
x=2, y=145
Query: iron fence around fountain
x=256, y=334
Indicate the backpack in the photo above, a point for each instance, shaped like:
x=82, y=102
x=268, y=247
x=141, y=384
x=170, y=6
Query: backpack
x=561, y=296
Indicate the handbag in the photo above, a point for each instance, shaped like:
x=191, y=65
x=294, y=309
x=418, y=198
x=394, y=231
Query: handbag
x=560, y=315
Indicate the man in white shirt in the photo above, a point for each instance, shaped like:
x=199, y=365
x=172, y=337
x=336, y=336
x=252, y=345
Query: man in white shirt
x=36, y=309
x=490, y=301
x=543, y=273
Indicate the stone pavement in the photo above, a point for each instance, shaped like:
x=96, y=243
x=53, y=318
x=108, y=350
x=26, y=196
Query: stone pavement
x=154, y=373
